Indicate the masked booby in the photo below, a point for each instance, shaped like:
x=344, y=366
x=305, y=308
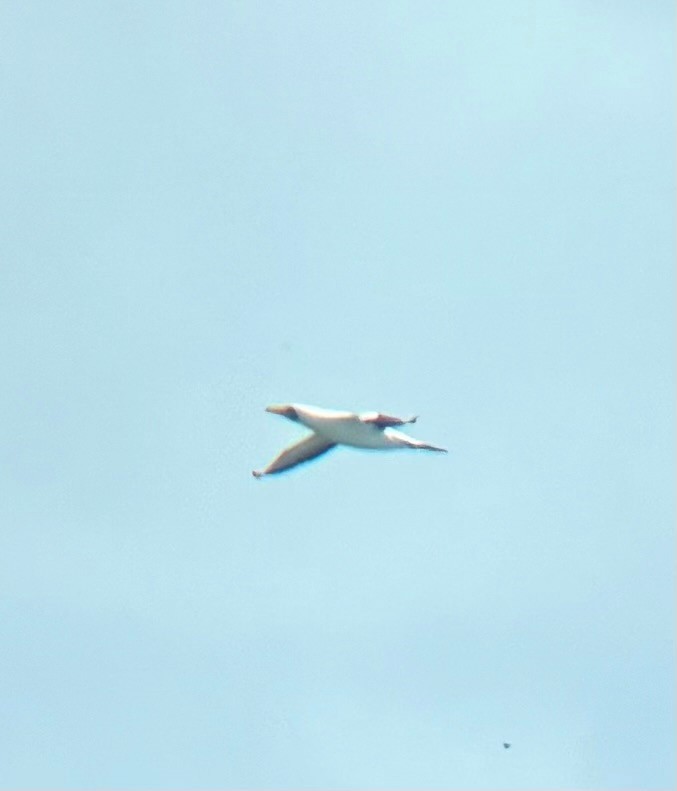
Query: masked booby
x=331, y=427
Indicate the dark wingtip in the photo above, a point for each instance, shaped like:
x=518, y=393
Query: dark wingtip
x=257, y=474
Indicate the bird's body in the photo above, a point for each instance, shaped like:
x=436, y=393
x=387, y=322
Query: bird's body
x=331, y=427
x=345, y=428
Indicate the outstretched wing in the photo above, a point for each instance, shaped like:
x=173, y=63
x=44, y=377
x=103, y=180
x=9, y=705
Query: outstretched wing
x=380, y=420
x=308, y=448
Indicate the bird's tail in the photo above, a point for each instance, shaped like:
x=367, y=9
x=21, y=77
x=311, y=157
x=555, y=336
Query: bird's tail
x=426, y=446
x=401, y=440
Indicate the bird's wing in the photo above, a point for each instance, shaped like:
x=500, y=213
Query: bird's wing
x=308, y=448
x=384, y=421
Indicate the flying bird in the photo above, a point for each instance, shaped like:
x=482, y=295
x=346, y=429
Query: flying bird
x=506, y=745
x=331, y=427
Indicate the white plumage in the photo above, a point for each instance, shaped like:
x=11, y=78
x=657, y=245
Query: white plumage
x=331, y=427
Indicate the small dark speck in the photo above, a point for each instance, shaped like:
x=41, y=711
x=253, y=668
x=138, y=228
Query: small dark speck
x=506, y=745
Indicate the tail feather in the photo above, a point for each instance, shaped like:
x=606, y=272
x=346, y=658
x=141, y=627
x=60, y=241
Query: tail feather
x=425, y=446
x=401, y=440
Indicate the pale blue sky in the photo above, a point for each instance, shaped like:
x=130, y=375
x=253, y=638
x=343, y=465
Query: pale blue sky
x=458, y=210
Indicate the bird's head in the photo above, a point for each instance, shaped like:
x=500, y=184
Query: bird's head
x=286, y=410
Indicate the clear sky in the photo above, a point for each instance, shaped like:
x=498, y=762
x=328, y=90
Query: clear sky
x=453, y=209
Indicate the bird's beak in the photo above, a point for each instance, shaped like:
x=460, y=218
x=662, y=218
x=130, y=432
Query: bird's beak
x=278, y=409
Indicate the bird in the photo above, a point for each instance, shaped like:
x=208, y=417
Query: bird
x=506, y=745
x=331, y=427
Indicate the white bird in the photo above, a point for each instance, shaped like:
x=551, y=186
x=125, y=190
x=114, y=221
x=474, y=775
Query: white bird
x=331, y=428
